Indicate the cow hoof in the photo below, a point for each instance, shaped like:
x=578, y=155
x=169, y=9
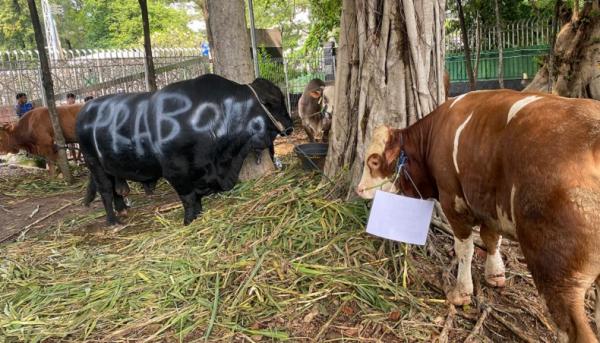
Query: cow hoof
x=458, y=298
x=122, y=213
x=497, y=280
x=113, y=222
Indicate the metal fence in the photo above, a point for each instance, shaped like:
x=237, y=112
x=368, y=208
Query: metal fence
x=517, y=63
x=99, y=72
x=517, y=34
x=92, y=72
x=292, y=75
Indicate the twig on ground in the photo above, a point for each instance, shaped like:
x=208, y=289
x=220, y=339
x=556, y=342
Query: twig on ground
x=517, y=331
x=328, y=323
x=26, y=229
x=443, y=338
x=475, y=332
x=35, y=211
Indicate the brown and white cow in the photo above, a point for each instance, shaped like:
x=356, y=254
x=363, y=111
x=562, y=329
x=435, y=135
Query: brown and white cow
x=520, y=165
x=315, y=108
x=34, y=133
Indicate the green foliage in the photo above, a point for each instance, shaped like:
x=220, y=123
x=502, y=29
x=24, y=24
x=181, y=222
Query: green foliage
x=118, y=24
x=325, y=18
x=510, y=10
x=281, y=14
x=99, y=24
x=269, y=68
x=16, y=32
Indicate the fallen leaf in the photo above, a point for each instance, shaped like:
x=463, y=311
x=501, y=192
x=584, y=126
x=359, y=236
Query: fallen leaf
x=311, y=315
x=394, y=316
x=352, y=332
x=347, y=310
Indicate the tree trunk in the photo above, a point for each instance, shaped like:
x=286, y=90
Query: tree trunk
x=500, y=44
x=477, y=48
x=390, y=71
x=465, y=37
x=555, y=21
x=148, y=61
x=572, y=70
x=49, y=92
x=230, y=50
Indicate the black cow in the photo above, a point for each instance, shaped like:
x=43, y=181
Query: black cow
x=195, y=133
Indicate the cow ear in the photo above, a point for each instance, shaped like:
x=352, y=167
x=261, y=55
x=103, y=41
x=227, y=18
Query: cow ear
x=316, y=94
x=392, y=146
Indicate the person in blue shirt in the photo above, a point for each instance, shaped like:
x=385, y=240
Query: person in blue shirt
x=22, y=105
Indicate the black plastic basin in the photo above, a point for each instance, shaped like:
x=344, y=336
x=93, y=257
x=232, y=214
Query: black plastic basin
x=315, y=152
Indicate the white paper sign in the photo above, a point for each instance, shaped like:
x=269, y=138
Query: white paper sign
x=400, y=218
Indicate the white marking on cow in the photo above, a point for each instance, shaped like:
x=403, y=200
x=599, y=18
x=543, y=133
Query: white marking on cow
x=506, y=225
x=457, y=99
x=517, y=106
x=456, y=139
x=464, y=252
x=460, y=206
x=141, y=129
x=216, y=119
x=513, y=192
x=182, y=105
x=119, y=110
x=494, y=265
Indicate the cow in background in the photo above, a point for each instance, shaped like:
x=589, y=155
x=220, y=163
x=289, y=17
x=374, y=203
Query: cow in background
x=315, y=109
x=525, y=166
x=194, y=133
x=34, y=133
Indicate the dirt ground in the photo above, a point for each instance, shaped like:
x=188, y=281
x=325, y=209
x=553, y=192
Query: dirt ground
x=26, y=205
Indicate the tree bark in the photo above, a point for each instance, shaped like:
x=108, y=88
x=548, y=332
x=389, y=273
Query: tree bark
x=229, y=40
x=555, y=21
x=572, y=69
x=390, y=71
x=500, y=44
x=49, y=92
x=465, y=37
x=148, y=61
x=477, y=48
x=230, y=51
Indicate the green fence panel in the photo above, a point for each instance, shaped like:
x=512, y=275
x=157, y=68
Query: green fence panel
x=516, y=63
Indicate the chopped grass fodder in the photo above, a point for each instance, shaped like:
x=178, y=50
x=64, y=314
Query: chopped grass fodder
x=273, y=259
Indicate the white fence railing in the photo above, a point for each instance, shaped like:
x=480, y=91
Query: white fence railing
x=517, y=34
x=92, y=72
x=100, y=72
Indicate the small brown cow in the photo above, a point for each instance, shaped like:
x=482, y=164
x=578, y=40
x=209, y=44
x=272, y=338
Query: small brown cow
x=315, y=108
x=520, y=165
x=34, y=133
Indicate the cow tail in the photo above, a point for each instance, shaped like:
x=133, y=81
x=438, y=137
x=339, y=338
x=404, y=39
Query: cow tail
x=90, y=194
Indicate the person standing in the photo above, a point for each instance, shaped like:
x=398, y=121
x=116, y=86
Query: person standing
x=70, y=98
x=22, y=106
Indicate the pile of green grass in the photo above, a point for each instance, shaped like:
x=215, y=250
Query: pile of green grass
x=277, y=258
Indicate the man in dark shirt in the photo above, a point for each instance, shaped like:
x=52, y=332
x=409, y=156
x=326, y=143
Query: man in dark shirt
x=22, y=105
x=70, y=98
